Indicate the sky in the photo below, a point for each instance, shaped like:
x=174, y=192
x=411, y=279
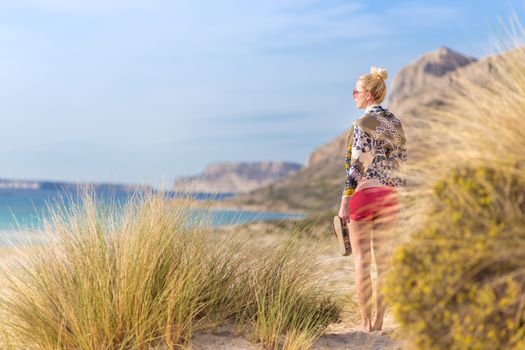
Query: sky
x=146, y=91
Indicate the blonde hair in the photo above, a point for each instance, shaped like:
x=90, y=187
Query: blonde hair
x=375, y=83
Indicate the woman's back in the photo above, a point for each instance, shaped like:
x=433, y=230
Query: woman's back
x=380, y=146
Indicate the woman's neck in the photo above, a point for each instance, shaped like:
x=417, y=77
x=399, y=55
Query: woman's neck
x=370, y=106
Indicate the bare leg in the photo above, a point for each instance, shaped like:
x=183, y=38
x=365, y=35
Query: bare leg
x=360, y=235
x=382, y=243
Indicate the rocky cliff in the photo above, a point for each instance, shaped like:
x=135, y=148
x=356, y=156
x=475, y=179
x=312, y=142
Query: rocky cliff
x=236, y=177
x=411, y=80
x=422, y=85
x=8, y=185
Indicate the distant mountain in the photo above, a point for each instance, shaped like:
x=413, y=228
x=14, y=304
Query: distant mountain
x=420, y=76
x=10, y=184
x=235, y=177
x=422, y=84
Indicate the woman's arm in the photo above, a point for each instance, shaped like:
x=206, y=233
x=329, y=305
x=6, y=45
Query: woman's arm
x=358, y=156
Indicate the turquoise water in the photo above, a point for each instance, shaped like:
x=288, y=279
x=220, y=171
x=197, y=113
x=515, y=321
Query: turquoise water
x=21, y=212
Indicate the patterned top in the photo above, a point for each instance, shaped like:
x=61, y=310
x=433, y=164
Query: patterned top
x=376, y=149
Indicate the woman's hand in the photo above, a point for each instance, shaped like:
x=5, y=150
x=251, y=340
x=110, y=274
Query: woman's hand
x=343, y=210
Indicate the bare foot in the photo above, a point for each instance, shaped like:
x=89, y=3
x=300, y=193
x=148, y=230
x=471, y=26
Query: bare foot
x=377, y=327
x=387, y=332
x=366, y=326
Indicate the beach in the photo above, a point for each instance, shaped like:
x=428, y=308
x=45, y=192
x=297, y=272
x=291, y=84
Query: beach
x=339, y=276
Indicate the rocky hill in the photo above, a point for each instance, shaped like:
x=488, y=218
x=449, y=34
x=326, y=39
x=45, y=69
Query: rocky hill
x=423, y=84
x=8, y=185
x=236, y=177
x=417, y=82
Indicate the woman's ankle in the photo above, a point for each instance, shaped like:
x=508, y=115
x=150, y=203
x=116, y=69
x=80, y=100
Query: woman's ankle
x=377, y=325
x=366, y=326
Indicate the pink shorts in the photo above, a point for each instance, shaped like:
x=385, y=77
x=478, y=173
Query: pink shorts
x=374, y=203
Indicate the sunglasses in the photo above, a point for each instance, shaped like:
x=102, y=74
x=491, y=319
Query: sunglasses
x=356, y=92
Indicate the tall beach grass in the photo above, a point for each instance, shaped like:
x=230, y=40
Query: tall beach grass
x=458, y=281
x=140, y=276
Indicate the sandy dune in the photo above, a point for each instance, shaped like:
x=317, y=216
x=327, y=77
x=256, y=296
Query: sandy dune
x=339, y=276
x=344, y=335
x=341, y=336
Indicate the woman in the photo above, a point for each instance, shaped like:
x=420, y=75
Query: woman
x=376, y=149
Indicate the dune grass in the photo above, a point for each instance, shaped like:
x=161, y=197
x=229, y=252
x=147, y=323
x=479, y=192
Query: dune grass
x=287, y=305
x=458, y=281
x=139, y=276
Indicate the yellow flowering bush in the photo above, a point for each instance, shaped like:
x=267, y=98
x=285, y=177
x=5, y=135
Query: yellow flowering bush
x=459, y=283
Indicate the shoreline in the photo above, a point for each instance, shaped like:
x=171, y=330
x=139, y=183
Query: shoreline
x=228, y=205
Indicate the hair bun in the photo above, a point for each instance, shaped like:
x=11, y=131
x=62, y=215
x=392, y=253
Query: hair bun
x=379, y=72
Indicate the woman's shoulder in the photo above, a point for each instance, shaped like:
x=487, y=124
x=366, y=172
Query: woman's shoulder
x=375, y=116
x=370, y=119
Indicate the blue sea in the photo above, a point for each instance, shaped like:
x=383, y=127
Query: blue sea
x=21, y=210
